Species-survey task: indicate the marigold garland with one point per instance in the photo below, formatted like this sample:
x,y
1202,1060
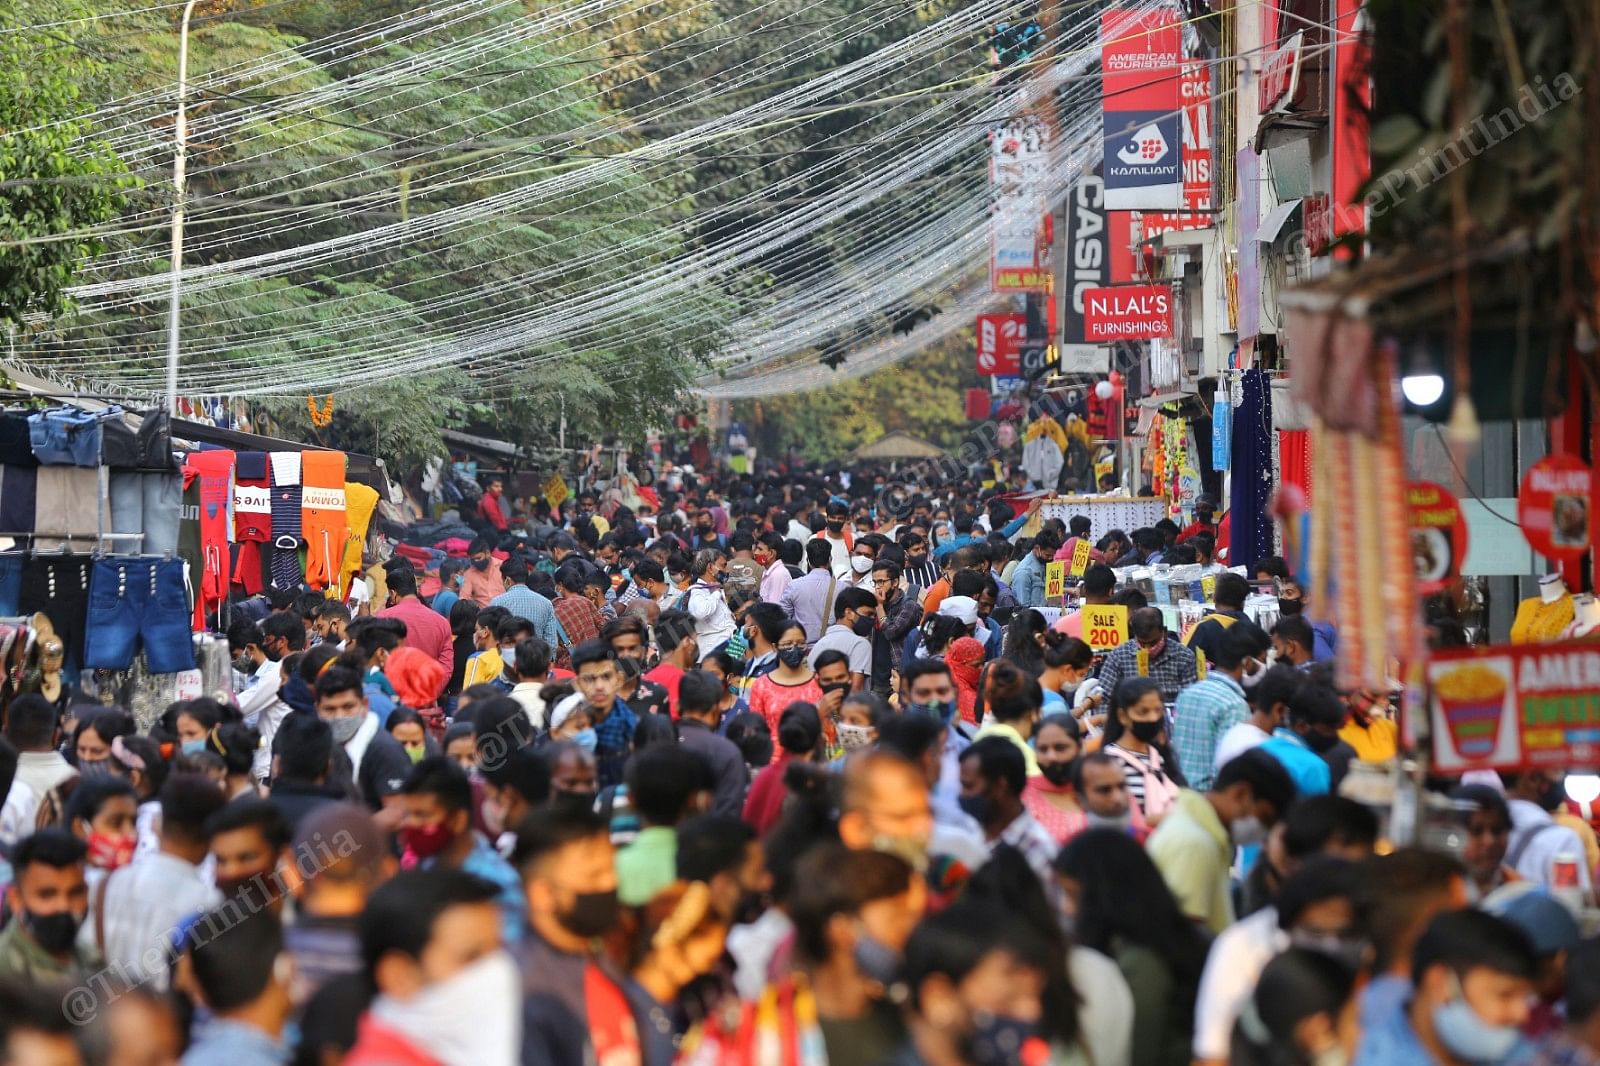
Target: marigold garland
x,y
320,418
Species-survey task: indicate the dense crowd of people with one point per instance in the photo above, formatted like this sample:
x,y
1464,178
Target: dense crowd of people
x,y
774,769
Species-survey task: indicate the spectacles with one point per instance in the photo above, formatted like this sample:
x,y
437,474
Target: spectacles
x,y
790,646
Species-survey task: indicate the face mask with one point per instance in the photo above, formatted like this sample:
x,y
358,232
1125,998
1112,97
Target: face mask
x,y
1468,1036
854,736
1147,731
843,686
876,960
1321,743
792,657
426,841
916,558
107,852
860,563
865,626
1247,831
472,1016
1352,952
835,526
1252,678
480,565
1120,822
593,914
345,728
585,739
244,664
979,808
1331,1056
914,850
1288,608
579,800
416,754
1058,773
194,747
94,769
1155,652
53,932
943,710
998,1041
230,887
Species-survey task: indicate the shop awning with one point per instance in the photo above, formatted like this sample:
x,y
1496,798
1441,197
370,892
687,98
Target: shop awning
x,y
897,445
1276,219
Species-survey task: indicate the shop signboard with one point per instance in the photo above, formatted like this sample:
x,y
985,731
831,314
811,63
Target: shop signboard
x,y
1141,56
1000,341
1019,164
1080,557
1089,253
1195,89
1554,505
1055,582
1127,312
1510,707
1438,535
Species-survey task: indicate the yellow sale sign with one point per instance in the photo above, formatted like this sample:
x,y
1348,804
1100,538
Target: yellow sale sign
x,y
1105,626
1055,581
1080,557
555,490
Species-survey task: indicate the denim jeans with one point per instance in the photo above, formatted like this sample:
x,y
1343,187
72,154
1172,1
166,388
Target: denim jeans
x,y
134,602
65,436
148,503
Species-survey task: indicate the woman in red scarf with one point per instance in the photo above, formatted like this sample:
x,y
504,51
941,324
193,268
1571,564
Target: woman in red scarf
x,y
965,658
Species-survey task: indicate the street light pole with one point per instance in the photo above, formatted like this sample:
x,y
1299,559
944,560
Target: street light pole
x,y
179,191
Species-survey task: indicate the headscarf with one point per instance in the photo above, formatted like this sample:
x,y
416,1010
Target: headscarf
x,y
965,657
417,677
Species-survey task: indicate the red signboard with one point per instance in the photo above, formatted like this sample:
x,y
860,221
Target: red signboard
x,y
1001,339
1554,504
1140,56
977,404
1195,88
1127,312
1438,535
1280,75
1511,707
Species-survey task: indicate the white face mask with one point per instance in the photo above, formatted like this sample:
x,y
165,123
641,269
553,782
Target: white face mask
x,y
1252,678
852,737
472,1018
860,563
1247,831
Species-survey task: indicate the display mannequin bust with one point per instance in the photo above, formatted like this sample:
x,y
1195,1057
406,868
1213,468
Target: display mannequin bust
x,y
1545,616
1585,616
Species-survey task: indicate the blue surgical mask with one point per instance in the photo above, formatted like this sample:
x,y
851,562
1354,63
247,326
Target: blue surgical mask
x,y
194,747
585,739
1468,1036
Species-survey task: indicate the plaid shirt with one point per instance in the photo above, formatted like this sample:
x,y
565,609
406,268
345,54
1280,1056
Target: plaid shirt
x,y
580,620
613,736
1173,669
1206,710
523,602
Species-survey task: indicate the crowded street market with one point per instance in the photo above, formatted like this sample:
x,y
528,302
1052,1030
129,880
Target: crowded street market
x,y
1131,602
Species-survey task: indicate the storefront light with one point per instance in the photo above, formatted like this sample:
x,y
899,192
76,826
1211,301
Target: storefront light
x,y
1422,390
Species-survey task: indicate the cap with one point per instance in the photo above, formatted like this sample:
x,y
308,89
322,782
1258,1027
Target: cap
x,y
963,607
1544,920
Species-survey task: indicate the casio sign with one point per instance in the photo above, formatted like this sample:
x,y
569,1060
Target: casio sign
x,y
1088,263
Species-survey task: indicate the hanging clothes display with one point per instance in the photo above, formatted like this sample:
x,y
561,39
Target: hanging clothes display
x,y
360,502
322,516
252,518
136,604
211,472
57,586
285,519
1251,525
1043,448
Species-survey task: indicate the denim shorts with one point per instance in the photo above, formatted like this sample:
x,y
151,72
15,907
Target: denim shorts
x,y
134,602
58,585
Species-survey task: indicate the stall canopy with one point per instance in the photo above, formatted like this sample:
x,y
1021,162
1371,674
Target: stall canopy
x,y
897,445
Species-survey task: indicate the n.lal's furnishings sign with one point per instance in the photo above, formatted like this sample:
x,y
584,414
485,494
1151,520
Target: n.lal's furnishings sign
x,y
1127,313
1141,63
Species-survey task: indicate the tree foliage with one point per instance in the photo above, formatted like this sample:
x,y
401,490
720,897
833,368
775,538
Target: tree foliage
x,y
51,182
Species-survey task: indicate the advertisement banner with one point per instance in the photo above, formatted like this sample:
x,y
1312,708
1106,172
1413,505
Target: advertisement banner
x,y
1438,535
1055,582
1001,338
1511,707
1088,255
1019,164
1141,62
1195,90
1553,506
1127,312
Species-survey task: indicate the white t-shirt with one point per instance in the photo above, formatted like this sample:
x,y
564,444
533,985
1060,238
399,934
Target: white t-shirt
x,y
1235,742
1105,1022
1233,967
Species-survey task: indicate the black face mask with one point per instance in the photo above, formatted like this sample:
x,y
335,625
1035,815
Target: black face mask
x,y
792,657
593,914
1057,773
1321,743
53,932
1288,608
842,686
1147,731
865,626
572,800
835,526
